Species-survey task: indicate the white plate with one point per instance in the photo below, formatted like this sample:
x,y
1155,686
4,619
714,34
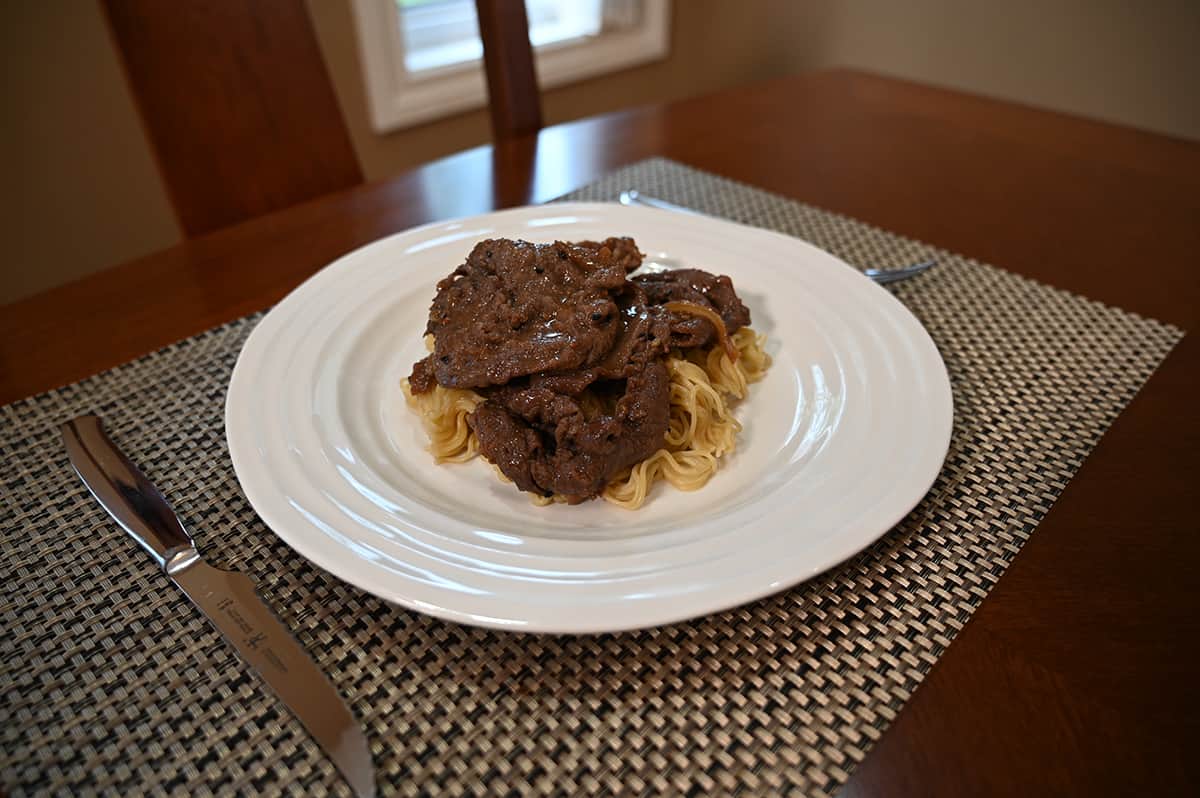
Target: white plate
x,y
842,438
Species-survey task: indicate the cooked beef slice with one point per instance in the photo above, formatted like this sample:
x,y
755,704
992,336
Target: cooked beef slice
x,y
700,288
544,443
511,444
624,250
516,308
422,380
644,335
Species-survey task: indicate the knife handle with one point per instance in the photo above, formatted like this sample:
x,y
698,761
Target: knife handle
x,y
128,496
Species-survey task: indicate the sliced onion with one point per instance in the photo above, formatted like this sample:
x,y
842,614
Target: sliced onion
x,y
713,318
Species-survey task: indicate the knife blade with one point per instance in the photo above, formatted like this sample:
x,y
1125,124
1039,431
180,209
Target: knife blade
x,y
227,598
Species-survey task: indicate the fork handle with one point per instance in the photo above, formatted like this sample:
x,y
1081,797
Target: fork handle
x,y
632,196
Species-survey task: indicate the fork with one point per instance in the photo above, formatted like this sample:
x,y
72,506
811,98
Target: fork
x,y
631,196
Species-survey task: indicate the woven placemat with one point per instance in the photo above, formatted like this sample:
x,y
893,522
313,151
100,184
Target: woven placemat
x,y
112,682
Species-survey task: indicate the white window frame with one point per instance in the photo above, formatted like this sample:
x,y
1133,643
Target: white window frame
x,y
397,100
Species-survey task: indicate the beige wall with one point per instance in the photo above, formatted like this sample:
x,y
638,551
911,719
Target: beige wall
x,y
82,188
1133,62
85,193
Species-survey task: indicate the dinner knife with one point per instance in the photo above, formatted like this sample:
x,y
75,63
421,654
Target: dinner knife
x,y
227,598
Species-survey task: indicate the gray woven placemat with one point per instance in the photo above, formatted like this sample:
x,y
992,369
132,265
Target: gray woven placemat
x,y
111,682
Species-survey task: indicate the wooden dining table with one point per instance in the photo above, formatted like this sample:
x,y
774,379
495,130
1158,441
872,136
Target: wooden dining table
x,y
1077,675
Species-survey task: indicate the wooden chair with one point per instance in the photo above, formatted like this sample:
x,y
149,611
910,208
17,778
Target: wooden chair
x,y
239,107
513,96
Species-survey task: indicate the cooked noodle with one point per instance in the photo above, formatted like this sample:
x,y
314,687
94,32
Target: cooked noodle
x,y
701,429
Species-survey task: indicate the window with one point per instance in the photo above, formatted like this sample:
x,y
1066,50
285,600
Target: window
x,y
422,59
